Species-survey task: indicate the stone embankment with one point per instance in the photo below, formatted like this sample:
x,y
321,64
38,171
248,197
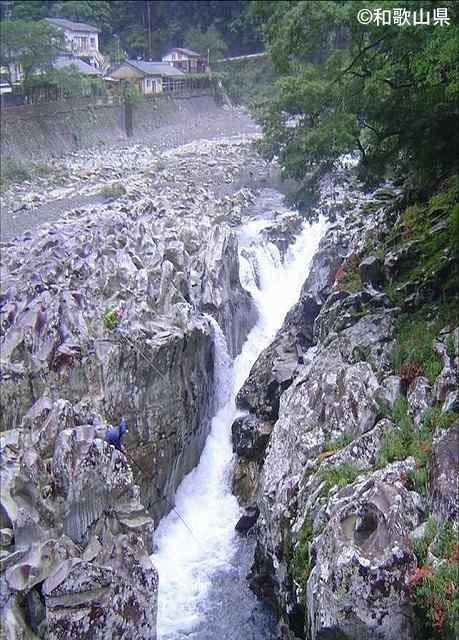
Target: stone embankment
x,y
50,130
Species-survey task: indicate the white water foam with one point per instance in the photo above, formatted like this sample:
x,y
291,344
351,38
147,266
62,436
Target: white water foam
x,y
187,563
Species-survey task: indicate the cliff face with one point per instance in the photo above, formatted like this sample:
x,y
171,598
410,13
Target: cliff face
x,y
108,314
351,408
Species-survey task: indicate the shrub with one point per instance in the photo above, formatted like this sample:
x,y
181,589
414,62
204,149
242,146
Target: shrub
x,y
112,190
414,354
14,171
404,441
434,590
434,418
302,562
111,319
348,277
422,545
339,476
336,445
132,94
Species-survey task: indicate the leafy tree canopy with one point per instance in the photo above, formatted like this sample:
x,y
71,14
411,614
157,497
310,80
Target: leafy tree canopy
x,y
209,40
386,91
148,27
34,45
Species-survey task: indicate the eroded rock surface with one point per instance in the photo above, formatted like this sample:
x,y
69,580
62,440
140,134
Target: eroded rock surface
x,y
339,507
110,313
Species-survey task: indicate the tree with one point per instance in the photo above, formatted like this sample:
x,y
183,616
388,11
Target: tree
x,y
68,82
385,91
34,45
206,41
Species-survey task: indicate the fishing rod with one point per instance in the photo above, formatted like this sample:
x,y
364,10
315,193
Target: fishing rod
x,y
129,457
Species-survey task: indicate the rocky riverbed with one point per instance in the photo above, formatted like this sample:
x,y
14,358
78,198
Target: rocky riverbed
x,y
107,313
92,176
112,283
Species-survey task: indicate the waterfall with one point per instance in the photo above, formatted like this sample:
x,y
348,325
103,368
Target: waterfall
x,y
191,565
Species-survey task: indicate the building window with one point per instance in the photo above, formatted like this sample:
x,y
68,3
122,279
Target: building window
x,y
93,42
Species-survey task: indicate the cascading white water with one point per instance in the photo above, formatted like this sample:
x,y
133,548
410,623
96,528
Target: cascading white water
x,y
188,564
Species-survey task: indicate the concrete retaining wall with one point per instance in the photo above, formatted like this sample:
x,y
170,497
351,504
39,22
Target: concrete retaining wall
x,y
41,131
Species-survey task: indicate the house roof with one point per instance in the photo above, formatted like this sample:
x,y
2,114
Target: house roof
x,y
186,52
72,26
155,68
63,62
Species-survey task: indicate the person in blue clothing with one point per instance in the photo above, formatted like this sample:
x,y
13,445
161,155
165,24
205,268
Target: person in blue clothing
x,y
114,435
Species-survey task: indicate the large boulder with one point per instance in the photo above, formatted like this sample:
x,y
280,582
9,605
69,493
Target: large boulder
x,y
250,437
443,475
363,559
101,601
371,271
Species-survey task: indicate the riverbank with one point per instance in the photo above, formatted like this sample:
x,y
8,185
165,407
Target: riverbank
x,y
81,179
106,314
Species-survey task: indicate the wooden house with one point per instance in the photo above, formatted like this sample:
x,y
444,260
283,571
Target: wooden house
x,y
150,77
186,60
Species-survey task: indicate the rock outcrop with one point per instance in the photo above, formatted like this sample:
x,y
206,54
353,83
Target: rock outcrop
x,y
111,313
342,495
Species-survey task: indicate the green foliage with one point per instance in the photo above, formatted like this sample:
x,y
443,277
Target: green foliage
x,y
447,542
131,93
434,590
422,545
110,319
384,91
403,441
249,82
302,562
208,41
69,81
348,275
112,190
339,476
34,45
450,346
148,28
337,444
17,171
415,338
397,441
434,418
428,232
436,604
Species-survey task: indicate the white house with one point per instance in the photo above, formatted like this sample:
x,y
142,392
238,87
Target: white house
x,y
150,77
82,40
186,60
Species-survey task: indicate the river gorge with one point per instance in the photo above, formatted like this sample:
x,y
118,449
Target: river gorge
x,y
250,350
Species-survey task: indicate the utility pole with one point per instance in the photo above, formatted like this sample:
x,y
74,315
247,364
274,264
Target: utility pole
x,y
148,28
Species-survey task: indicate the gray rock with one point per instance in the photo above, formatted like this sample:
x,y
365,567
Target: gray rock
x,y
419,398
363,561
247,520
250,437
443,475
89,600
6,537
389,391
371,271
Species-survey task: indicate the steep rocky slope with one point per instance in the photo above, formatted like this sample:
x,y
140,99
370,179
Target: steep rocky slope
x,y
108,314
350,445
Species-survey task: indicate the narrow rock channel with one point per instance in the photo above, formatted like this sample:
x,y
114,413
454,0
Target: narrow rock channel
x,y
201,560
